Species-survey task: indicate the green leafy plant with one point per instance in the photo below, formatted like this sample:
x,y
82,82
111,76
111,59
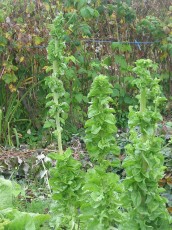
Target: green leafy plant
x,y
151,26
144,162
100,127
66,178
66,181
56,49
11,218
121,80
101,202
10,115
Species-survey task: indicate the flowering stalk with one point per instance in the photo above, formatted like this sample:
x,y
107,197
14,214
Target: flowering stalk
x,y
100,127
100,205
144,162
56,104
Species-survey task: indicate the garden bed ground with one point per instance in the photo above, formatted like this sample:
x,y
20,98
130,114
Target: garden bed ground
x,y
29,167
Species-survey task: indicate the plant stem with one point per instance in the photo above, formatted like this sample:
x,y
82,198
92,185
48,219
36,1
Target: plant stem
x,y
143,108
57,118
9,136
143,101
59,133
0,124
17,137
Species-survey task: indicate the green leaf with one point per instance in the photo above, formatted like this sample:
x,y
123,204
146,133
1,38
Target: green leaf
x,y
136,198
53,156
79,97
71,58
115,45
92,112
97,196
85,13
49,124
86,30
115,93
96,130
107,61
9,78
2,16
22,222
128,100
5,193
38,40
110,119
88,12
81,3
85,99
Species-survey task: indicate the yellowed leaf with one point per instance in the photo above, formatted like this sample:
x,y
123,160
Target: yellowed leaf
x,y
21,59
113,16
164,56
38,40
46,5
27,81
164,41
45,67
7,35
12,88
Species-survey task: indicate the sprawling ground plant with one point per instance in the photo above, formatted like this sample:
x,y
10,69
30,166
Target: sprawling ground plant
x,y
144,161
101,199
11,218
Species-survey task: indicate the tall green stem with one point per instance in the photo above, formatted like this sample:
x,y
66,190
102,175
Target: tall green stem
x,y
143,108
143,101
57,118
0,125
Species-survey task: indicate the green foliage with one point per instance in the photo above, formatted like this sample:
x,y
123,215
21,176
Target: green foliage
x,y
151,26
15,78
9,73
94,203
144,162
37,206
16,220
100,128
12,219
123,90
6,193
125,11
24,56
66,181
100,208
101,202
56,56
88,12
